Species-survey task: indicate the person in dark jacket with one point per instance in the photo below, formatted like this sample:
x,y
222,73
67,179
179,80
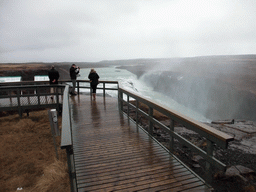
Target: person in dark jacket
x,y
94,81
53,75
73,71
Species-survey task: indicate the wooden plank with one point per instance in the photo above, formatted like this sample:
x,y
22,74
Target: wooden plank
x,y
136,183
111,154
121,156
124,174
124,165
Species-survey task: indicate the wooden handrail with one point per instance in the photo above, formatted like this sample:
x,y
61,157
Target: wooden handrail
x,y
208,132
47,82
212,135
27,97
66,136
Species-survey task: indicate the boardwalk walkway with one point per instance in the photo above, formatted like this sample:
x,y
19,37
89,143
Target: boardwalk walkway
x,y
111,154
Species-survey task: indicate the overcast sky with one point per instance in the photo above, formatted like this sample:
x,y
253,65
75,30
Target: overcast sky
x,y
95,30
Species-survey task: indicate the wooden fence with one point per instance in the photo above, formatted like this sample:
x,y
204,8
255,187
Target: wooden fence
x,y
212,136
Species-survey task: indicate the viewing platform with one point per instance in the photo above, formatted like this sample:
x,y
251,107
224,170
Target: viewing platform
x,y
107,149
112,154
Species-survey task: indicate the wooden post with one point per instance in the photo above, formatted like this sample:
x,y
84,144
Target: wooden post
x,y
78,90
71,169
54,127
150,127
128,106
208,165
57,99
38,96
171,137
137,113
19,104
120,100
104,89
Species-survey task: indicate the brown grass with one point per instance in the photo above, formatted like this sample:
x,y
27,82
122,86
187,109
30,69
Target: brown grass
x,y
27,155
21,67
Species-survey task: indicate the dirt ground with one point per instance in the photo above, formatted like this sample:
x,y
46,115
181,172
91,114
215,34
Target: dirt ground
x,y
27,155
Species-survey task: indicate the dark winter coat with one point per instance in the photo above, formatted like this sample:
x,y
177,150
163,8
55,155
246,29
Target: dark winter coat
x,y
94,78
53,74
73,72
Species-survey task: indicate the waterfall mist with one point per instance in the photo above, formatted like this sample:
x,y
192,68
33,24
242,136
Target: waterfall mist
x,y
218,88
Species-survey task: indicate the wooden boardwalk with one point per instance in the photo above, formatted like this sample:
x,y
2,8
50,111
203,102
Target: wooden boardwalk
x,y
111,154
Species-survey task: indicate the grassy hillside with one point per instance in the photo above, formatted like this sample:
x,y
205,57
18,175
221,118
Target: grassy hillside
x,y
27,155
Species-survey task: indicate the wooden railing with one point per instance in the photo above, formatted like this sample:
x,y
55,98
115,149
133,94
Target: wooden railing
x,y
85,84
24,83
212,135
27,97
66,138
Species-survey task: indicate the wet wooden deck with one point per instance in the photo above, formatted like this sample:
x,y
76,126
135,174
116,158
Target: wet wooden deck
x,y
111,154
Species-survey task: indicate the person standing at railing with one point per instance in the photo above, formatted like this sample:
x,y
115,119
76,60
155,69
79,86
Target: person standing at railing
x,y
53,75
73,71
94,81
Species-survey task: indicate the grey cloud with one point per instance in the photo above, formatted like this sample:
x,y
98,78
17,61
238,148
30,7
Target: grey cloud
x,y
98,30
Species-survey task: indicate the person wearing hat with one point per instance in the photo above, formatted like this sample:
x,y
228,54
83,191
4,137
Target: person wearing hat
x,y
94,81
